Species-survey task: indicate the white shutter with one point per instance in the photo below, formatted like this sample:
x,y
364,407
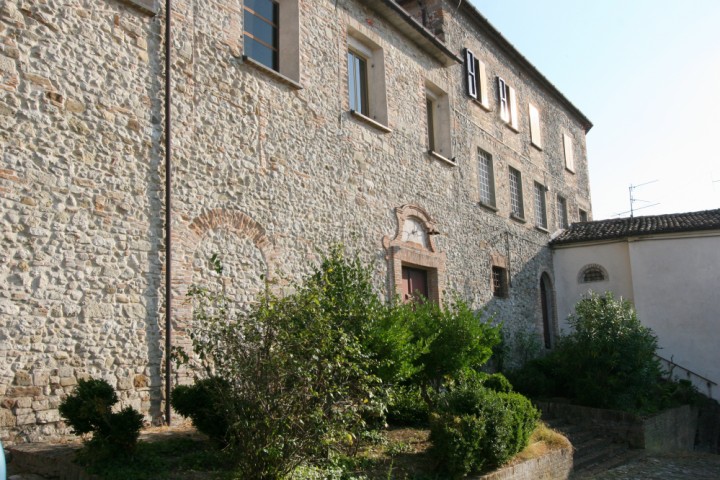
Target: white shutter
x,y
535,137
470,74
502,96
480,72
569,156
513,109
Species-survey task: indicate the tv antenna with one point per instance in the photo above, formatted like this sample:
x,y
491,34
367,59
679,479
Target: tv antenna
x,y
633,200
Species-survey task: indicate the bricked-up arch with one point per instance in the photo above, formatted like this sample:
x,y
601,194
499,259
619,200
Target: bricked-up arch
x,y
420,255
187,240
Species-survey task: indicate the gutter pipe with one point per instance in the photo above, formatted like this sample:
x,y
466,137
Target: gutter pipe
x,y
168,216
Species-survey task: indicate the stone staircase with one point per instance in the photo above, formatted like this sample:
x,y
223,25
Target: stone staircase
x,y
594,452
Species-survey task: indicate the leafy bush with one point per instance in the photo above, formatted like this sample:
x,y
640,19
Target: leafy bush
x,y
478,429
608,361
407,406
207,403
456,341
299,381
89,410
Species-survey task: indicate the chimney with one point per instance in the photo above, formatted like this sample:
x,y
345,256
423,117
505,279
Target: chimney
x,y
429,13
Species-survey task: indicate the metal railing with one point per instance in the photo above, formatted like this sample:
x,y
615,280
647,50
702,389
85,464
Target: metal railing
x,y
691,376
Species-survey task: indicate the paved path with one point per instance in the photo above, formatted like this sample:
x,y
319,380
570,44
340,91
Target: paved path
x,y
680,466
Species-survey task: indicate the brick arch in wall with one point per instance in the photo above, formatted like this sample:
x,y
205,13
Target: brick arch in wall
x,y
188,236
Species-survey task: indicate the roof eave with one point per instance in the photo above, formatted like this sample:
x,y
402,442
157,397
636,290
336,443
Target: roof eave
x,y
515,55
410,27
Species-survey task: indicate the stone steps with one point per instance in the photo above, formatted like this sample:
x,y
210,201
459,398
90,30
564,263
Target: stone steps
x,y
594,452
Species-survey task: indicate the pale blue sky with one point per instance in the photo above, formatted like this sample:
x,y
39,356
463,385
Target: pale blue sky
x,y
647,74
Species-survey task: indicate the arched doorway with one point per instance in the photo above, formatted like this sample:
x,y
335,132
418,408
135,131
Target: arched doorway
x,y
548,310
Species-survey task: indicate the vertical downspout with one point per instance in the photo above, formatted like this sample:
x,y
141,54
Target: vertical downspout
x,y
168,211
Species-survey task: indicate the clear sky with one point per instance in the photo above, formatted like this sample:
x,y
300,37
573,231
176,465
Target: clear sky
x,y
647,74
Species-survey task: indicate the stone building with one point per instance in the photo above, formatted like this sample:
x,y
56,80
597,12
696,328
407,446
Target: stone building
x,y
668,267
410,131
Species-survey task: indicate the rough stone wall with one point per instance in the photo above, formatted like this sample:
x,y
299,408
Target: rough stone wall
x,y
265,174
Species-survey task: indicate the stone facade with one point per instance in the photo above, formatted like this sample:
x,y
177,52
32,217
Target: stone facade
x,y
268,170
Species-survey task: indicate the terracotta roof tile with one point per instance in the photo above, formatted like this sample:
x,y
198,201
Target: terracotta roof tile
x,y
635,226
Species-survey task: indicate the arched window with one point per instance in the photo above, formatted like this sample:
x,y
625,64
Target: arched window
x,y
592,273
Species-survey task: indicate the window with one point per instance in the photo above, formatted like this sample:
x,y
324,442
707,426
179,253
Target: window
x,y
508,104
271,36
540,207
535,138
583,215
592,273
568,149
499,282
261,32
487,178
562,213
476,79
357,83
366,80
516,200
437,110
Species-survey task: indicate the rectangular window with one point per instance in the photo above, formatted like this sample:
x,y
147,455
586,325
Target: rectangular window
x,y
508,104
499,282
261,32
475,76
562,212
487,178
366,80
540,206
437,110
583,215
358,83
535,137
516,200
568,149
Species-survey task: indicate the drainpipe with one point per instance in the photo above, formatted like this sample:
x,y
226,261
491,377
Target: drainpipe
x,y
168,217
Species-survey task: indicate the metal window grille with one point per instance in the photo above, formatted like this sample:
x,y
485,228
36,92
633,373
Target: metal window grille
x,y
562,213
487,193
540,207
516,205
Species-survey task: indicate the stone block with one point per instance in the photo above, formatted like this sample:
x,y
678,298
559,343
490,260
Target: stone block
x,y
47,416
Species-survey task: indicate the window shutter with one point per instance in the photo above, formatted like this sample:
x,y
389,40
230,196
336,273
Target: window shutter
x,y
569,156
535,137
502,96
470,74
480,72
513,109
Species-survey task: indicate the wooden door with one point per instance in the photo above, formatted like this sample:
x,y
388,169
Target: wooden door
x,y
414,284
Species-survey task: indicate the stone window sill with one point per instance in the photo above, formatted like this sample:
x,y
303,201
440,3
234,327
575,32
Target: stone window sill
x,y
541,229
370,121
481,105
449,161
517,218
487,206
269,71
569,171
538,147
146,6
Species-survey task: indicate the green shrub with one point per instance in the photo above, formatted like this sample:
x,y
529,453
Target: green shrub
x,y
457,341
300,382
478,429
207,403
407,406
89,410
608,361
